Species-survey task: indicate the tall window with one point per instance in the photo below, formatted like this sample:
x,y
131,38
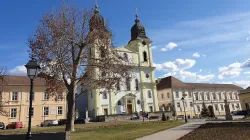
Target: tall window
x,y
145,58
203,96
225,96
13,112
32,111
104,95
216,107
59,110
149,94
125,56
189,94
119,102
214,96
91,94
236,96
191,104
14,96
208,96
162,96
198,108
231,96
222,107
46,96
196,96
168,94
136,85
128,83
220,96
118,86
233,107
177,94
45,111
178,104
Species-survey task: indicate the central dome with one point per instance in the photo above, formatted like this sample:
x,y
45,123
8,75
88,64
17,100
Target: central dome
x,y
138,31
96,21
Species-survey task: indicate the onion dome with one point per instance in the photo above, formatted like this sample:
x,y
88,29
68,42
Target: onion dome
x,y
138,30
97,21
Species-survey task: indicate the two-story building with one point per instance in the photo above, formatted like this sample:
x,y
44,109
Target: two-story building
x,y
15,102
191,96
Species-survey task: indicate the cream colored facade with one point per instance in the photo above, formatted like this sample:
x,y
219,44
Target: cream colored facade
x,y
165,99
15,100
244,96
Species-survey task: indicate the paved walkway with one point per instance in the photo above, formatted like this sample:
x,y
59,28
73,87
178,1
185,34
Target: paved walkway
x,y
173,133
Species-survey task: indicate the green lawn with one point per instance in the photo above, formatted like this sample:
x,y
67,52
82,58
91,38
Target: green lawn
x,y
106,131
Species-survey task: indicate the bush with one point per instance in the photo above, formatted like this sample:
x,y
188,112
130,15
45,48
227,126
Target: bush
x,y
163,118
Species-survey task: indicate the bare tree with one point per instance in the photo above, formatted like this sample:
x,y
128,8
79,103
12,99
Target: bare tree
x,y
3,84
75,45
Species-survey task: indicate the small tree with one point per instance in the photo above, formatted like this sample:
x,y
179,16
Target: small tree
x,y
204,111
163,118
3,83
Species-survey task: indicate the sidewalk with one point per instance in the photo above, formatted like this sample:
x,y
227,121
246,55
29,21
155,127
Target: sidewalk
x,y
173,133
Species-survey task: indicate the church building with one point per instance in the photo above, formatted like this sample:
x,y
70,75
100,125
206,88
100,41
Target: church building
x,y
139,93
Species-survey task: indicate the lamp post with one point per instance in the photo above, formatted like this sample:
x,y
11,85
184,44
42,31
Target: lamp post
x,y
32,70
184,108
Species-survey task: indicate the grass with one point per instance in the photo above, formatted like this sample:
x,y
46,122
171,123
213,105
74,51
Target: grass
x,y
221,131
106,131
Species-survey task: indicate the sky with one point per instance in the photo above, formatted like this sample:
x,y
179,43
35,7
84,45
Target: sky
x,y
194,40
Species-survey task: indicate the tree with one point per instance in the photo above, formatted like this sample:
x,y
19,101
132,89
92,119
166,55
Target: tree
x,y
3,83
75,45
204,111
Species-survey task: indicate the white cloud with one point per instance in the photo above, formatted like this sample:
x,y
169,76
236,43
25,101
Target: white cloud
x,y
18,71
169,46
247,72
179,49
154,47
241,83
246,64
177,65
204,55
200,70
231,71
196,55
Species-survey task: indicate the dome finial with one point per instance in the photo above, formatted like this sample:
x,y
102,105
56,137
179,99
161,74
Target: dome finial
x,y
136,16
96,7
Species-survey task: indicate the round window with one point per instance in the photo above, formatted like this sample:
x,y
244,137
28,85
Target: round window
x,y
144,43
138,102
147,75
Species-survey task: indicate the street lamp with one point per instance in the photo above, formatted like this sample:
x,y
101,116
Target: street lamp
x,y
184,108
32,70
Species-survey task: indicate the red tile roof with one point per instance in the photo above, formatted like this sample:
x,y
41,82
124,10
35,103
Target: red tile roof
x,y
23,80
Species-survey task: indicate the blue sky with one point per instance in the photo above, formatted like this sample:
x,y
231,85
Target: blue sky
x,y
196,41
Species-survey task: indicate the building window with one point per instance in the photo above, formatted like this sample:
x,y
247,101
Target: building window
x,y
238,106
151,108
203,96
183,94
220,96
231,96
91,94
225,96
59,110
189,94
46,96
149,94
14,96
208,96
118,86
145,58
144,43
128,83
222,107
233,107
138,102
216,107
191,104
236,96
32,111
136,85
125,56
162,95
102,53
196,96
178,104
198,108
119,102
60,96
104,95
45,111
177,94
168,94
13,112
214,96
147,75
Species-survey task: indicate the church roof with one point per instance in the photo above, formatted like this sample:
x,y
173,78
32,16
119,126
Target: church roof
x,y
97,20
172,82
138,31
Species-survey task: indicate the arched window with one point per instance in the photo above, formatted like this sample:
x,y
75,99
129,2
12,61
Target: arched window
x,y
145,58
147,75
214,96
136,85
119,102
149,94
168,94
231,96
128,83
104,95
196,96
138,102
162,96
236,96
208,96
220,96
125,56
225,96
144,43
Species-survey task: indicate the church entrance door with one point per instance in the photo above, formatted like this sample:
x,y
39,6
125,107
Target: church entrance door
x,y
129,108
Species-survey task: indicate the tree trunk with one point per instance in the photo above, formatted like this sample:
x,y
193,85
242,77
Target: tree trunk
x,y
71,109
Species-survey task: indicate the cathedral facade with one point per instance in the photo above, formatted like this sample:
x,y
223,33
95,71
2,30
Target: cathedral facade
x,y
139,93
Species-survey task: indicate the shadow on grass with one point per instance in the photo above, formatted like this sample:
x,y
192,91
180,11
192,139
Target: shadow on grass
x,y
40,136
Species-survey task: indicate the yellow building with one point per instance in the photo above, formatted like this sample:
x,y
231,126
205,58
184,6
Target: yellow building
x,y
15,102
244,96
